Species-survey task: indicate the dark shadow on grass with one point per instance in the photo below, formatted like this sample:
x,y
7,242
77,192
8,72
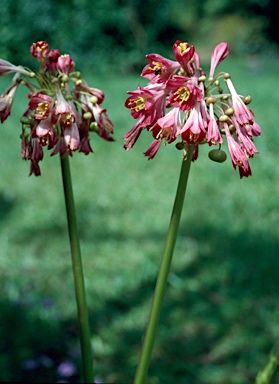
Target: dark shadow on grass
x,y
219,319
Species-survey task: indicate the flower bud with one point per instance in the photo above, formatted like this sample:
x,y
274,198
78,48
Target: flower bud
x,y
247,100
223,118
93,99
25,120
202,78
180,146
94,127
217,155
229,111
87,115
211,100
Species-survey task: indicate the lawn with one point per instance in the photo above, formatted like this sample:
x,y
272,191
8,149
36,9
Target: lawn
x,y
220,316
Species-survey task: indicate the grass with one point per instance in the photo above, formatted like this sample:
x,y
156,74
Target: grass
x,y
220,316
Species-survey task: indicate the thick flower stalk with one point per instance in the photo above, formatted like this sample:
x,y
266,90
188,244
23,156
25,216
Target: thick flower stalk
x,y
62,111
62,108
182,105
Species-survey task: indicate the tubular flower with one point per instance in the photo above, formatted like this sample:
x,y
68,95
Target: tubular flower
x,y
6,99
159,69
63,109
180,105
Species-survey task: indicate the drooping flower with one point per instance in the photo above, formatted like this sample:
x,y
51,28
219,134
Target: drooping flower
x,y
6,68
6,99
63,109
237,154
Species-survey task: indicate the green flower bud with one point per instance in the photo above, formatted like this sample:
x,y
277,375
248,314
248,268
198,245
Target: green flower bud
x,y
223,118
211,100
87,115
217,155
94,127
180,146
25,120
229,111
247,100
93,99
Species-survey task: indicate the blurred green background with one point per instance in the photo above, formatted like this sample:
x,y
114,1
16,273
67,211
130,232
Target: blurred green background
x,y
220,316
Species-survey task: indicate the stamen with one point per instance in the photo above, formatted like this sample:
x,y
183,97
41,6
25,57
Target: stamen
x,y
42,108
183,94
183,47
137,104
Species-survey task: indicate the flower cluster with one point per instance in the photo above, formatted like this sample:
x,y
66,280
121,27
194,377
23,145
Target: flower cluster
x,y
58,116
181,104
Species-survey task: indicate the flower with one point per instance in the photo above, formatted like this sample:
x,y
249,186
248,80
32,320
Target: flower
x,y
219,53
63,109
6,99
65,64
180,105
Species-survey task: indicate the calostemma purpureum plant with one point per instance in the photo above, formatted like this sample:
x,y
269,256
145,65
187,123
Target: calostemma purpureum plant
x,y
62,109
182,104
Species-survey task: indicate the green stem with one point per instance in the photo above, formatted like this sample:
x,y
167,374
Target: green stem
x,y
149,338
83,319
265,375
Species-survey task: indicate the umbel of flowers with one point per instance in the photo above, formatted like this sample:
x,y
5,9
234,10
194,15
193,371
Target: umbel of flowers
x,y
62,109
181,104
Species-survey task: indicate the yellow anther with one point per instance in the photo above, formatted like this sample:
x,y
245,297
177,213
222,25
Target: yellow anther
x,y
183,47
42,108
157,68
137,104
183,94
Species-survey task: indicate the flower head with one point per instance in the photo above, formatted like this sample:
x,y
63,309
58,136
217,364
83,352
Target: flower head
x,y
180,105
63,109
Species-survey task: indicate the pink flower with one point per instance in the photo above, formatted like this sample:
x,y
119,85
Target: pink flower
x,y
183,53
6,68
153,149
166,128
149,102
6,101
46,132
60,146
82,86
184,93
37,155
159,69
213,133
62,111
245,140
71,136
242,112
39,50
42,104
132,136
219,53
65,64
105,125
53,56
237,155
193,130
